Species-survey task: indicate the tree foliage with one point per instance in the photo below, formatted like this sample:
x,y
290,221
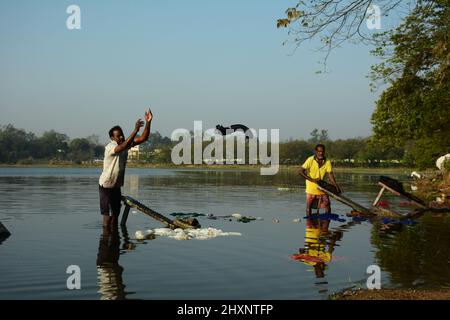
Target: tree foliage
x,y
414,110
19,146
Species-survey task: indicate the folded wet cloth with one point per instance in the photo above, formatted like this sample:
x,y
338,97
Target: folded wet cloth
x,y
235,216
187,215
398,221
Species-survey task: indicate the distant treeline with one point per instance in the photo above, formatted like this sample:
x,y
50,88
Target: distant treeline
x,y
20,147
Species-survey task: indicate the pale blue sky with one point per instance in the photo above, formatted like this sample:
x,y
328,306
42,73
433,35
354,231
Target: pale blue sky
x,y
215,61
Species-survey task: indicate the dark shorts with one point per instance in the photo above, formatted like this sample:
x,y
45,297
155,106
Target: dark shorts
x,y
110,200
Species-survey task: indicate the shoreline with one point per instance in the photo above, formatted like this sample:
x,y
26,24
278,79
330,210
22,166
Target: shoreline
x,y
244,167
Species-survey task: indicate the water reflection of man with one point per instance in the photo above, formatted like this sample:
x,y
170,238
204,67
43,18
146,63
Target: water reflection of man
x,y
319,244
109,271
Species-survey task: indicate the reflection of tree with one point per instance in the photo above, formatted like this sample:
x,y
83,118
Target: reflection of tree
x,y
418,253
109,271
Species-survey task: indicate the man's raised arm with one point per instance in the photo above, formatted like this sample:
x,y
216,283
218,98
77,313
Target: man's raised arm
x,y
146,133
127,143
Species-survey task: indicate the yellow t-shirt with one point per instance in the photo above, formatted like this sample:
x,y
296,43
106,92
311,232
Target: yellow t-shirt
x,y
313,171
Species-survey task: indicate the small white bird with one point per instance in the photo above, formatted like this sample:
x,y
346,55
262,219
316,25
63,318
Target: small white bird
x,y
415,174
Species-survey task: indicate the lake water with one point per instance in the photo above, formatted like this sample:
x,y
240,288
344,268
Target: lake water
x,y
53,215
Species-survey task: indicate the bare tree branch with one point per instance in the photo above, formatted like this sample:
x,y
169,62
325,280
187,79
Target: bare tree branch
x,y
334,21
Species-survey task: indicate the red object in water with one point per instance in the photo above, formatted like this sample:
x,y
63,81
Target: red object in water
x,y
383,204
305,257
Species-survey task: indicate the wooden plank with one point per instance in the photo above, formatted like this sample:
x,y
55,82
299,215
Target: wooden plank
x,y
128,201
173,224
418,202
126,211
377,199
346,201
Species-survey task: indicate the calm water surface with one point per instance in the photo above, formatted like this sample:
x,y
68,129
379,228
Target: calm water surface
x,y
53,215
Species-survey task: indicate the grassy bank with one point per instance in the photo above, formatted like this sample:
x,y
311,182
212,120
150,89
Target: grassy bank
x,y
287,168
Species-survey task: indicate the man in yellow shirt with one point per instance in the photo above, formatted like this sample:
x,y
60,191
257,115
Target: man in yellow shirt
x,y
314,170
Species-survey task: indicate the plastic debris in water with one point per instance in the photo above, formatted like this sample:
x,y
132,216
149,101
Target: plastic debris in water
x,y
297,220
244,219
188,234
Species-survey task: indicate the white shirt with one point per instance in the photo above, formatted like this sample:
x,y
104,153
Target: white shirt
x,y
113,167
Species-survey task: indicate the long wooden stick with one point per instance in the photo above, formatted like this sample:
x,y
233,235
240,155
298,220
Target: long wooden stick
x,y
173,224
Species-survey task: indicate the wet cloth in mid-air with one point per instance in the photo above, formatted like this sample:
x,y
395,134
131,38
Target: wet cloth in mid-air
x,y
235,128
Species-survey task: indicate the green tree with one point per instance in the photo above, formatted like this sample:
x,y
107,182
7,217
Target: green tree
x,y
52,145
415,109
342,149
319,136
295,152
81,149
156,141
16,144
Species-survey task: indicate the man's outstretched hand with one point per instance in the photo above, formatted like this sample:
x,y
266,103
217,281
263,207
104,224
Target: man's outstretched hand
x,y
148,115
138,124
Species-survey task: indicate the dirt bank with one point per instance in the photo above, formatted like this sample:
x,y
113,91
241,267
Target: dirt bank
x,y
393,294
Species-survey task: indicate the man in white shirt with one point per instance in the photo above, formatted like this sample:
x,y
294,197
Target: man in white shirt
x,y
114,163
